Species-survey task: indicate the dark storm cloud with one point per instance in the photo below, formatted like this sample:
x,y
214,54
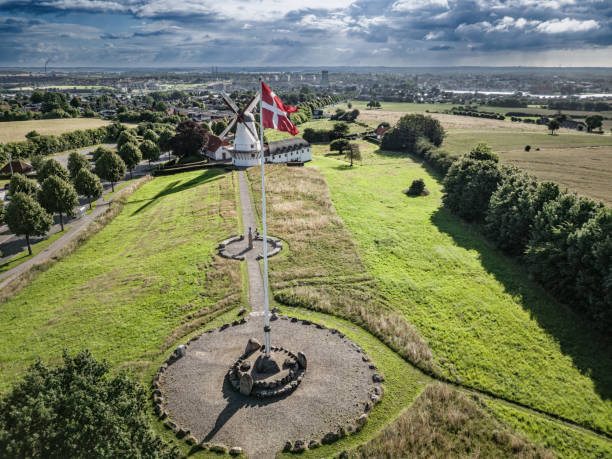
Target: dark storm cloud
x,y
336,31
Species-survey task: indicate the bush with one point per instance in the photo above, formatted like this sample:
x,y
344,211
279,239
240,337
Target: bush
x,y
468,186
417,187
77,410
527,148
409,129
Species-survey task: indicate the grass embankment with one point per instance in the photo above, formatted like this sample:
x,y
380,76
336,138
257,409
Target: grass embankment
x,y
446,423
141,283
36,249
13,131
321,270
489,327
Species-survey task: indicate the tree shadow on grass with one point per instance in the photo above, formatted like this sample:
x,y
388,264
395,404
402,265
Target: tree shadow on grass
x,y
590,350
177,186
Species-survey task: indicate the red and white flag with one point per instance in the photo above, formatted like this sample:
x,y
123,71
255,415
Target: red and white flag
x,y
275,114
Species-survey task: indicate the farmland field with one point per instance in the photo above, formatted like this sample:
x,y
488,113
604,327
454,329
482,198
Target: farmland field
x,y
488,326
125,293
580,161
13,131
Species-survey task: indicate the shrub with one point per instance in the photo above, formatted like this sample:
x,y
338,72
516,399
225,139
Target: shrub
x,y
417,187
339,145
468,186
527,148
77,410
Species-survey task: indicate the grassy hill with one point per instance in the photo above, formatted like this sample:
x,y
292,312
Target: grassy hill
x,y
127,292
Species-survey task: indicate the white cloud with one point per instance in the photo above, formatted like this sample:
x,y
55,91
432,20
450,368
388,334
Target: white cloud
x,y
433,35
415,5
567,25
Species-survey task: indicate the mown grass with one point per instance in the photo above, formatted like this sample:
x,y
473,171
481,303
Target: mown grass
x,y
13,131
446,423
146,279
322,270
36,249
564,441
489,327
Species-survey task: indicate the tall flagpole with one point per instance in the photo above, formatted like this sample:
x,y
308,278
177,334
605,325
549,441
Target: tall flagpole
x,y
263,219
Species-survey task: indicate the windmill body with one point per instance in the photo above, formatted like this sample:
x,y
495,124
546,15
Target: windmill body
x,y
246,151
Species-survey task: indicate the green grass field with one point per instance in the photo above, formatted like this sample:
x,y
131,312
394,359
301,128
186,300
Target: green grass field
x,y
489,327
36,249
14,131
126,292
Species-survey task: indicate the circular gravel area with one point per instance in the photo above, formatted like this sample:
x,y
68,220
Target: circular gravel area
x,y
336,390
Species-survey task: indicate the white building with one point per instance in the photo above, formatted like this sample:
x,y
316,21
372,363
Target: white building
x,y
294,149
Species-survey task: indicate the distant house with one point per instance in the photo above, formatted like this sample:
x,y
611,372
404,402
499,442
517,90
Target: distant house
x,y
295,149
217,148
317,114
381,130
18,167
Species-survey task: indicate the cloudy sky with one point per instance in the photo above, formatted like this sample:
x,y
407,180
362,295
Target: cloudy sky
x,y
311,32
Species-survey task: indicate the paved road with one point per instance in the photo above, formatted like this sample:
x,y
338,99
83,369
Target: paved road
x,y
10,245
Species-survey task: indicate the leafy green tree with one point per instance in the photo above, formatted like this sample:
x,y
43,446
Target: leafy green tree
x,y
76,162
57,195
340,130
409,129
98,152
150,134
548,254
131,155
110,167
26,216
2,213
150,151
483,152
553,125
189,140
78,410
21,184
468,186
88,184
37,97
353,153
52,167
127,136
593,122
75,102
32,135
164,139
339,145
218,127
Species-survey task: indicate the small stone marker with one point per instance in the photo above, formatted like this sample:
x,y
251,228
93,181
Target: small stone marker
x,y
181,350
252,346
246,384
301,358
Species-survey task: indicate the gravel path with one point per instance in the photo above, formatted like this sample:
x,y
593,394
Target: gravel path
x,y
256,288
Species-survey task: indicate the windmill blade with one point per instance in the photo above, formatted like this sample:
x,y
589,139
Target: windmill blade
x,y
251,105
246,125
230,103
227,129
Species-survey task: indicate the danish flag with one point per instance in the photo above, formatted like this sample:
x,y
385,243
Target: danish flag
x,y
275,114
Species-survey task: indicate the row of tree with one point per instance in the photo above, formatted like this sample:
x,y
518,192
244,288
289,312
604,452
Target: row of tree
x,y
338,131
43,145
565,240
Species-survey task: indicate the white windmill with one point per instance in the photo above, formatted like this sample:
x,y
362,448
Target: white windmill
x,y
246,151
